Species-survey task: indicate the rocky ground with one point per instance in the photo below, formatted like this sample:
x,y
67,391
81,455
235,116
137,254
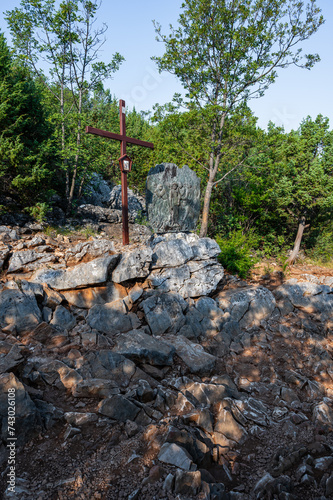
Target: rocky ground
x,y
151,374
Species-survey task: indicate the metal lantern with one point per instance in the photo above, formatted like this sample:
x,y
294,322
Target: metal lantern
x,y
125,163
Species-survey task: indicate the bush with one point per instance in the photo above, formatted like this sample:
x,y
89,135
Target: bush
x,y
323,248
236,252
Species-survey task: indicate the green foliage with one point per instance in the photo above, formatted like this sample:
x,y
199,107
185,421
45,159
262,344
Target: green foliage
x,y
237,253
322,251
39,211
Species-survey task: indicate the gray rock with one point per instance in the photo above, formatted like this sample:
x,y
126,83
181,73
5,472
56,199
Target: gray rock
x,y
106,365
172,198
205,248
56,373
27,420
95,388
90,250
97,191
226,424
86,298
164,312
132,265
193,279
19,310
139,346
204,394
194,356
171,253
111,318
91,273
309,297
4,252
329,486
99,214
62,318
77,419
171,453
135,205
118,408
187,483
12,359
19,259
323,414
249,306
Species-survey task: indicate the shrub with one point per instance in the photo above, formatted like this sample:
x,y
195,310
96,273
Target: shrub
x,y
236,252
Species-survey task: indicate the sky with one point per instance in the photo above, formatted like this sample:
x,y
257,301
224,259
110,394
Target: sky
x,y
296,94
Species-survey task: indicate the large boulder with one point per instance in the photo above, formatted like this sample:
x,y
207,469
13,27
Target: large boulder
x,y
135,205
19,310
90,273
89,250
86,298
97,192
143,348
248,306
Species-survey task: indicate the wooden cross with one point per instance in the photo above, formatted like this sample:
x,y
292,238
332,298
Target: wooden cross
x,y
123,140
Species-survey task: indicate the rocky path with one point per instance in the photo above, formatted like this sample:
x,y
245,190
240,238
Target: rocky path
x,y
149,374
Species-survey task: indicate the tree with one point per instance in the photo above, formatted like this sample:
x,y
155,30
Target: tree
x,y
227,51
66,40
25,163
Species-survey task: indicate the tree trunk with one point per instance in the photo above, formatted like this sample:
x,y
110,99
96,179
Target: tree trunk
x,y
205,210
297,244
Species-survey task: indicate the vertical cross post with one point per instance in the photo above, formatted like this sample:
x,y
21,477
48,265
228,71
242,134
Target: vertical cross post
x,y
124,190
123,139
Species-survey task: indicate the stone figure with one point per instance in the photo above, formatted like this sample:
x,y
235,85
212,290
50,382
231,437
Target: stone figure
x,y
172,198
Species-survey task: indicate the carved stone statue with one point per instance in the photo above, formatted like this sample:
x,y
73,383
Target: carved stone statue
x,y
173,198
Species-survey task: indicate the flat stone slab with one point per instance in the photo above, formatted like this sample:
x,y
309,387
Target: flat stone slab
x,y
171,453
90,273
139,346
193,355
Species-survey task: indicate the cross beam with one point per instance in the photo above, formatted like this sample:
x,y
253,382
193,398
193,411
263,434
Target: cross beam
x,y
123,139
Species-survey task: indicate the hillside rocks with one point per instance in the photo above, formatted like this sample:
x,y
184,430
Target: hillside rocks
x,y
192,387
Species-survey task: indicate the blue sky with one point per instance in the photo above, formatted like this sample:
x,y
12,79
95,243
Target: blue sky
x,y
296,93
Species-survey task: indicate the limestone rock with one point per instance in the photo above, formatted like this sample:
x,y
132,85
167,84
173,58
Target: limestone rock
x,y
19,310
172,198
99,214
132,265
27,419
173,454
106,365
111,318
308,297
135,205
139,346
249,305
171,253
89,250
226,424
63,319
187,483
86,298
19,259
194,356
118,408
95,388
193,279
91,273
164,312
12,359
97,191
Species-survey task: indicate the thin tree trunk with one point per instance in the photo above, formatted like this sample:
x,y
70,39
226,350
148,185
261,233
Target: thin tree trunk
x,y
205,210
297,244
